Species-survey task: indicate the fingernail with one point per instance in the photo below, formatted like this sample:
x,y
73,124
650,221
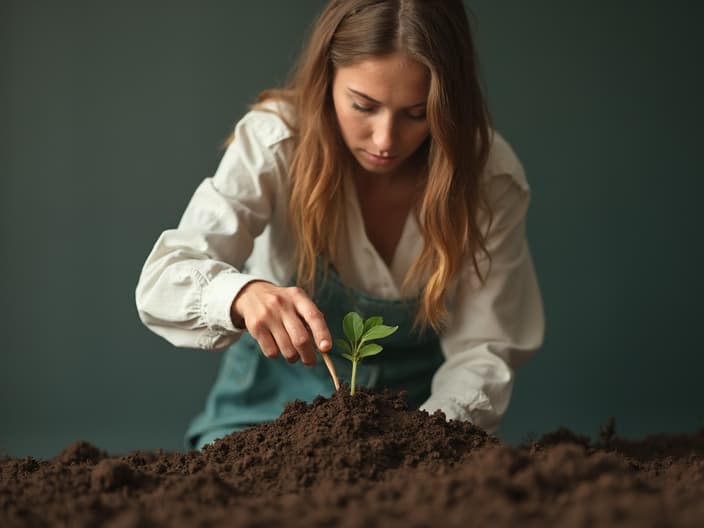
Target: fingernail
x,y
324,343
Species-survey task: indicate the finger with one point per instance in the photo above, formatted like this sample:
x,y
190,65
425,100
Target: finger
x,y
315,320
284,343
300,339
266,343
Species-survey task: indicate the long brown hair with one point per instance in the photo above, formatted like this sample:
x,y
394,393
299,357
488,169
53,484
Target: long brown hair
x,y
436,34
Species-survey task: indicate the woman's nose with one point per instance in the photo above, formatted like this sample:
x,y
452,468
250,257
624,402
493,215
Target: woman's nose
x,y
383,135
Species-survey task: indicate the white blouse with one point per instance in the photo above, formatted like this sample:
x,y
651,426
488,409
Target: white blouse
x,y
235,230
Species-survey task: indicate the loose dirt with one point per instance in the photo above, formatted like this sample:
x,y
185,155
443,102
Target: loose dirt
x,y
366,461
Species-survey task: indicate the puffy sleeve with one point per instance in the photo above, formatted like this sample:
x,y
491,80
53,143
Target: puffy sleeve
x,y
193,273
494,328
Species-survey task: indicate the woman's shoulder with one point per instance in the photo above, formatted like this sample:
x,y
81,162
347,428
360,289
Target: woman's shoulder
x,y
271,121
504,161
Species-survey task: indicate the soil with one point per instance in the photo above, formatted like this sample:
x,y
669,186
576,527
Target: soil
x,y
366,461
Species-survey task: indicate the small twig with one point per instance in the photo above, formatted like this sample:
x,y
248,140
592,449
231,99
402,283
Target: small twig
x,y
607,431
331,368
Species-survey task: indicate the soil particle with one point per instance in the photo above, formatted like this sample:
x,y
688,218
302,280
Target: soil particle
x,y
366,461
110,475
79,452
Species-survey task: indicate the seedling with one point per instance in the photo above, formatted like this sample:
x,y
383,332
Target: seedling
x,y
359,333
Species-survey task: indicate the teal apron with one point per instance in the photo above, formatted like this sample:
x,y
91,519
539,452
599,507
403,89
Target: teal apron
x,y
251,388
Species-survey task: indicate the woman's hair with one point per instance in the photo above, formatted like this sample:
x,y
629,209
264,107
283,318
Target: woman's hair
x,y
436,34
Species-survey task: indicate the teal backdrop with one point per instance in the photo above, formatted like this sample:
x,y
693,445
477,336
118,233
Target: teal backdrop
x,y
111,113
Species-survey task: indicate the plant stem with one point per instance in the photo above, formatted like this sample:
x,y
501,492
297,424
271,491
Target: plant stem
x,y
354,377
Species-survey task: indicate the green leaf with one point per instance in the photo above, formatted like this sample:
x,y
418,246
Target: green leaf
x,y
379,331
344,345
358,326
348,356
372,321
353,327
371,349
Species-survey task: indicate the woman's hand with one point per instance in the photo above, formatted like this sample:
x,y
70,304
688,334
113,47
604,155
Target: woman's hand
x,y
281,319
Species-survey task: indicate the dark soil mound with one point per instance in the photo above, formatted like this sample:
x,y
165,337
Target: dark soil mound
x,y
365,461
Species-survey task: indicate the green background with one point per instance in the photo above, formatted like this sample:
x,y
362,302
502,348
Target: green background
x,y
111,113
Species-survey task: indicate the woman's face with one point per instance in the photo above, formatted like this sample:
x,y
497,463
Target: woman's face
x,y
380,105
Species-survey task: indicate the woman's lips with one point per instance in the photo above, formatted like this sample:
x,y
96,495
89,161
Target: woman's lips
x,y
379,160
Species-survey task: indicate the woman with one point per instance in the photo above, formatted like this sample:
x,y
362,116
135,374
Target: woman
x,y
373,183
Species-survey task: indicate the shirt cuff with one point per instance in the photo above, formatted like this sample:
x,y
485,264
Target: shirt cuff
x,y
477,409
217,299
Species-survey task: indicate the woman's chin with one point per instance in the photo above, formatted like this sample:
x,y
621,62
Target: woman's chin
x,y
378,168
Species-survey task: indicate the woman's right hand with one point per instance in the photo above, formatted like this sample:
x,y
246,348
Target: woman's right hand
x,y
281,319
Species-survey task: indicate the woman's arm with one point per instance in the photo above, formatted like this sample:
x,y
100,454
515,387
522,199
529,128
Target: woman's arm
x,y
188,282
494,328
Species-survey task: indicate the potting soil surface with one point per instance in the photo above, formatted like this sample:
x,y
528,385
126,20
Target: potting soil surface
x,y
366,461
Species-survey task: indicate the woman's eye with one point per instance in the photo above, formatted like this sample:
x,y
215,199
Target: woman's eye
x,y
417,117
364,109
